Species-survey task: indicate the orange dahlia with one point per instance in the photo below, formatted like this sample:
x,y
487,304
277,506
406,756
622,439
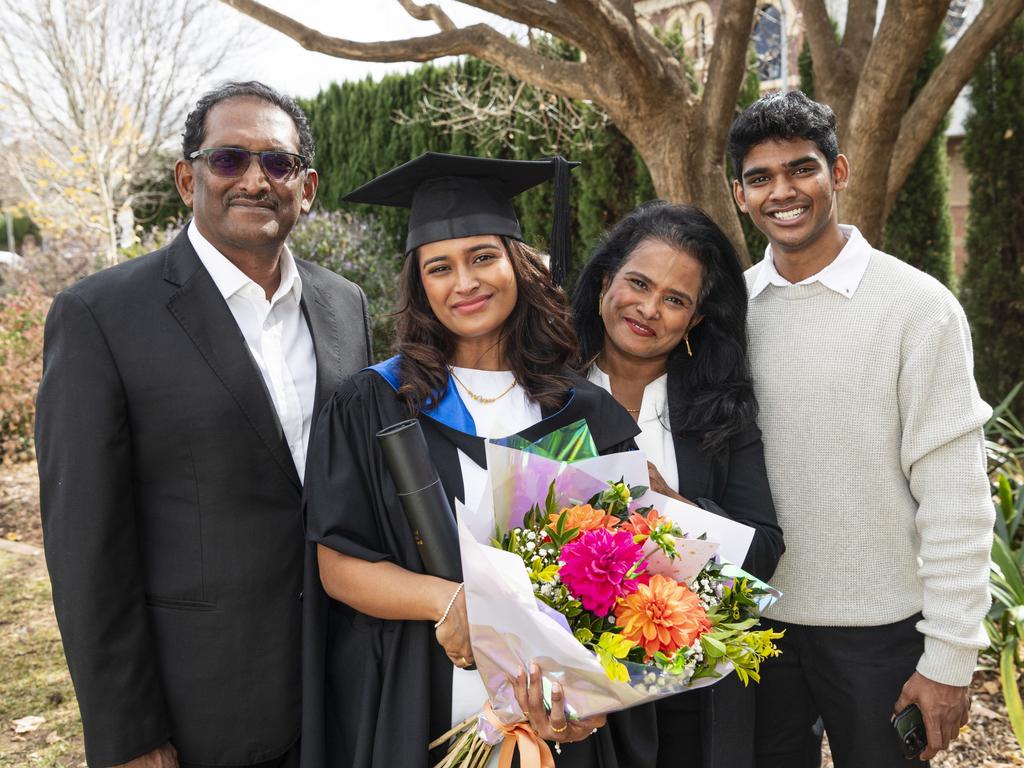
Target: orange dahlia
x,y
641,525
584,517
662,615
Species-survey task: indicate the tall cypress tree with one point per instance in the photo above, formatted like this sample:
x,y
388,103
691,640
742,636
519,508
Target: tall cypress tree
x,y
919,230
993,282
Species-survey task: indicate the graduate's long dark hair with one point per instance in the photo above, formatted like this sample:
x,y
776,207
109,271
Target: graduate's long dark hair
x,y
711,394
537,337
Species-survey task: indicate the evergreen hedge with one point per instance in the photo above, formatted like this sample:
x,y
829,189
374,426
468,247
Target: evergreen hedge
x,y
992,288
919,230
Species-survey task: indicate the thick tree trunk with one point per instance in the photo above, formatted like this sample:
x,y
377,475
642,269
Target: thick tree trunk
x,y
883,94
685,168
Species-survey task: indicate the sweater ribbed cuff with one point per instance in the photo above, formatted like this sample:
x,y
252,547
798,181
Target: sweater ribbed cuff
x,y
946,663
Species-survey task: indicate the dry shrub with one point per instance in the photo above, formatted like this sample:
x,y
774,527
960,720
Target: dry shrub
x,y
22,313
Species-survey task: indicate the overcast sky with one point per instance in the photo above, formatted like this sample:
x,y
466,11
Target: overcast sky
x,y
285,65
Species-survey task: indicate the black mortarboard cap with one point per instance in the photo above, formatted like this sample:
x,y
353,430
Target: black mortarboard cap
x,y
451,196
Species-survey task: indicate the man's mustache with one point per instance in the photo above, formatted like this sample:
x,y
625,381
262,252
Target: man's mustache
x,y
268,200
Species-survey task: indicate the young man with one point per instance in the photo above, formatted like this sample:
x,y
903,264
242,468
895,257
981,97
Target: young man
x,y
873,439
178,394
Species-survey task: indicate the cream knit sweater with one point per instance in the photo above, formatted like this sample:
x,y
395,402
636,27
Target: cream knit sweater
x,y
873,439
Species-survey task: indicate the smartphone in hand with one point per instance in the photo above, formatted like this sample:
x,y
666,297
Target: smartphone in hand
x,y
910,729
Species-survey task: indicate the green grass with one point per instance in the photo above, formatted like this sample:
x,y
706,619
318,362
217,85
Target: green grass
x,y
34,678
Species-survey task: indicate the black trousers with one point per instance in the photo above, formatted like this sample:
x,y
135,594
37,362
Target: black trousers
x,y
289,759
848,676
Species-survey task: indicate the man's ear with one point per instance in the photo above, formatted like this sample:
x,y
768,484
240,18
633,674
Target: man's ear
x,y
309,186
840,173
737,193
185,181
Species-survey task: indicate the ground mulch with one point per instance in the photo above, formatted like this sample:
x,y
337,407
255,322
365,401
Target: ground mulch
x,y
34,680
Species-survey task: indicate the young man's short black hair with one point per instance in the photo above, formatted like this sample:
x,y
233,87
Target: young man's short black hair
x,y
783,117
195,123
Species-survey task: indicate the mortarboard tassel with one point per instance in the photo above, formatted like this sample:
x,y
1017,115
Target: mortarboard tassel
x,y
561,225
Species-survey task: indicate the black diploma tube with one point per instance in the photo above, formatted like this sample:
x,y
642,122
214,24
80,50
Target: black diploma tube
x,y
423,498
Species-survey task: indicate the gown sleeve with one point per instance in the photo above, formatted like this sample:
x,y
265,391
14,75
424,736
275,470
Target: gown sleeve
x,y
344,484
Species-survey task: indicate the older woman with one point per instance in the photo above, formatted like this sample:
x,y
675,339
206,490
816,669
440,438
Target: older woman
x,y
661,320
483,341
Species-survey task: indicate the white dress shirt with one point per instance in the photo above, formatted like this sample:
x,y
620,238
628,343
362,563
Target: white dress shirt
x,y
842,275
655,438
276,334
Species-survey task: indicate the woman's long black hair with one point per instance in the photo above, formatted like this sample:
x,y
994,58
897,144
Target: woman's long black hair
x,y
710,394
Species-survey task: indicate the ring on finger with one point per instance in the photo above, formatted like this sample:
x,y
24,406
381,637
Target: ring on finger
x,y
565,725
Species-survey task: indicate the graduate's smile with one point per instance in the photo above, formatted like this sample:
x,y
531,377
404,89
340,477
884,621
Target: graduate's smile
x,y
470,286
469,306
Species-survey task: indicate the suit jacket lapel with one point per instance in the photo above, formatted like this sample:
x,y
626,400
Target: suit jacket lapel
x,y
204,315
323,326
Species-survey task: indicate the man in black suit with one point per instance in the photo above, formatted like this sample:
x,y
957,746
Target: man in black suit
x,y
177,398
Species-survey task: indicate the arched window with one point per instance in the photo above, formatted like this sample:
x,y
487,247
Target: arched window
x,y
700,32
768,42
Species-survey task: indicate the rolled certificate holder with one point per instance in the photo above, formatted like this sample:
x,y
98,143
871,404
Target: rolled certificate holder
x,y
423,498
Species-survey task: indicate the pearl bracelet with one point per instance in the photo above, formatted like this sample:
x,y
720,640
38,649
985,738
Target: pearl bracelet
x,y
447,610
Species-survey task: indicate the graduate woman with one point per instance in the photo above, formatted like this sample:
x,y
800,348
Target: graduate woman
x,y
660,313
483,338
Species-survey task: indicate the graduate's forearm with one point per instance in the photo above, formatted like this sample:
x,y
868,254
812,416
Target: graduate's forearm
x,y
383,589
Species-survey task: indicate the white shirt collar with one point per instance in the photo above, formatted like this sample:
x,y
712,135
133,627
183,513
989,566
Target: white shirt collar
x,y
842,275
229,279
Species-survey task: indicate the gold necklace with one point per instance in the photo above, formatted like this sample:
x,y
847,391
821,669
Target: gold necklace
x,y
481,398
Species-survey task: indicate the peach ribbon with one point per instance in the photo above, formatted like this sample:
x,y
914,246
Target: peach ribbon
x,y
534,752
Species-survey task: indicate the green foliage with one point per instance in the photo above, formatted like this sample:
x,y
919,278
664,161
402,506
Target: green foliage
x,y
919,230
20,227
22,314
365,128
1005,621
358,248
805,66
992,288
750,92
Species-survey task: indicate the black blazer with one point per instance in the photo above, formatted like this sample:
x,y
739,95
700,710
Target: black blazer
x,y
171,508
732,481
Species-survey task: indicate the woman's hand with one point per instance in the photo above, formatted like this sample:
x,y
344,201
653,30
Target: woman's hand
x,y
453,634
554,725
658,485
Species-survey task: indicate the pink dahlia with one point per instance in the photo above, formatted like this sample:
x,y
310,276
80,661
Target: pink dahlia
x,y
595,567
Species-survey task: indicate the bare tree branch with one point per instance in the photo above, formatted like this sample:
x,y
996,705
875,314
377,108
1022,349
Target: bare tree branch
x,y
822,40
564,78
861,16
727,68
429,12
540,14
920,122
95,91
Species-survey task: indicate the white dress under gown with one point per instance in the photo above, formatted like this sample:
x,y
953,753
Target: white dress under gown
x,y
510,414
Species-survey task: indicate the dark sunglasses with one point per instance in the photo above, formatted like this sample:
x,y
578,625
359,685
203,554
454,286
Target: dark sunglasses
x,y
232,162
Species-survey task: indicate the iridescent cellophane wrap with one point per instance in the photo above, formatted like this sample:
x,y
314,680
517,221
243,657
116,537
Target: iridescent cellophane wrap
x,y
510,628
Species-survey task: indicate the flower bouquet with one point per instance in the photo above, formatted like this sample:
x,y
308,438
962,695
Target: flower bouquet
x,y
620,594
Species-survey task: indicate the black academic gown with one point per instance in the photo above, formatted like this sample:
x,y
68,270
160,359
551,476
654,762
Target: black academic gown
x,y
731,481
377,692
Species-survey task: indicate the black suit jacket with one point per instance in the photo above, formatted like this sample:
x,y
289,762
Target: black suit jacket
x,y
171,508
731,481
